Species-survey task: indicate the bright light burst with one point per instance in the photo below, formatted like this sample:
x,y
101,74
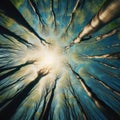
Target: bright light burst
x,y
50,58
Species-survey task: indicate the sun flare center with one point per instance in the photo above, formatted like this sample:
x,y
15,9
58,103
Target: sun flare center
x,y
49,58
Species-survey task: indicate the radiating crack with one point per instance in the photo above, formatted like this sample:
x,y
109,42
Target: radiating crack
x,y
53,13
59,60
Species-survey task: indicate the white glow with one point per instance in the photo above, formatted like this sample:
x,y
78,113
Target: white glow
x,y
48,59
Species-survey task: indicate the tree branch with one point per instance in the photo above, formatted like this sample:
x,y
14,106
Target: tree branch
x,y
108,12
108,34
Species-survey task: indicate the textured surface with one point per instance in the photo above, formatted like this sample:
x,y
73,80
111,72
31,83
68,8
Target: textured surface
x,y
42,80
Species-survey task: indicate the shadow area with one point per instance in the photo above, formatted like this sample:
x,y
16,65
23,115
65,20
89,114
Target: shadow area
x,y
7,112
